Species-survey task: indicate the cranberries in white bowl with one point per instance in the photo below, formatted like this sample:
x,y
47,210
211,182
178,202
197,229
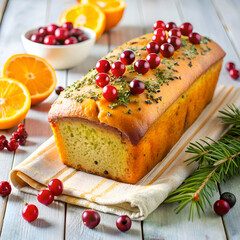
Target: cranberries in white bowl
x,y
62,46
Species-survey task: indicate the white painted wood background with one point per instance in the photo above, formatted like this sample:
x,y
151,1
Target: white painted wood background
x,y
218,19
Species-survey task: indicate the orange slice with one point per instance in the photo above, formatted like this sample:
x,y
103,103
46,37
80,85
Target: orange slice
x,y
15,101
113,10
34,72
86,15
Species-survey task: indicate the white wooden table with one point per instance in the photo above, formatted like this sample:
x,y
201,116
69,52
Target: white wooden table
x,y
218,19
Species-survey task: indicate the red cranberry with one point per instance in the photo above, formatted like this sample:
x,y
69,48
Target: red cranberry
x,y
137,86
1,145
12,145
82,38
59,89
124,223
170,26
37,38
56,187
153,59
127,57
194,38
102,79
22,132
50,40
90,218
110,93
71,40
118,69
51,29
5,143
141,66
42,31
75,32
15,136
159,39
61,33
234,73
167,50
160,31
5,188
21,125
186,28
153,47
45,197
22,141
175,41
230,65
30,213
67,25
174,32
103,66
159,24
221,207
2,137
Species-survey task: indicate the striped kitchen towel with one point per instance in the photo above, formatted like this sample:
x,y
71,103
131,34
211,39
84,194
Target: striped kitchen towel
x,y
106,195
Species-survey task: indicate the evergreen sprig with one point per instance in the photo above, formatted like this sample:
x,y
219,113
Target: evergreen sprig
x,y
217,162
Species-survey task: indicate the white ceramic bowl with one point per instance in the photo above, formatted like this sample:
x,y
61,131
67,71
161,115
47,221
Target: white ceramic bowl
x,y
60,56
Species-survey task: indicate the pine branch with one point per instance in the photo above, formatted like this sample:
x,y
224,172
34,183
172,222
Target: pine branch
x,y
218,161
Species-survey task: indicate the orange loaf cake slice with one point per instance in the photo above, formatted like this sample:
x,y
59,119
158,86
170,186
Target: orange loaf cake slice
x,y
123,140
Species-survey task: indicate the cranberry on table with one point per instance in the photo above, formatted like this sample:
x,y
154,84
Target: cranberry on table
x,y
38,38
159,39
153,59
5,188
221,207
22,141
234,73
194,38
22,133
71,40
160,31
56,187
141,66
159,24
110,93
75,32
12,145
102,79
170,26
175,41
42,31
153,47
1,145
137,86
186,28
45,197
21,125
59,89
175,32
90,218
15,136
61,33
167,50
118,69
230,65
127,57
30,212
123,223
50,40
51,29
103,66
67,25
2,137
5,143
229,197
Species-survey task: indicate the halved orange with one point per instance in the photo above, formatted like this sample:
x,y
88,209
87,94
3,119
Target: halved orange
x,y
113,10
15,101
86,15
34,72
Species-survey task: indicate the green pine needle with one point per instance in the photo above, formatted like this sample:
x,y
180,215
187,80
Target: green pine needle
x,y
218,161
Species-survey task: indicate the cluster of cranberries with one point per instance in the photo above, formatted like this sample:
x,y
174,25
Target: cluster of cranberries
x,y
46,197
222,206
91,219
233,72
17,138
59,35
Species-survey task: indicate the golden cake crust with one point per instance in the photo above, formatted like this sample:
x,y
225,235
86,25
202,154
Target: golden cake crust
x,y
135,118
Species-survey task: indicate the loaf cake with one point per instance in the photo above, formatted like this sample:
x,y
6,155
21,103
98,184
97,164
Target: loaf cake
x,y
124,139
